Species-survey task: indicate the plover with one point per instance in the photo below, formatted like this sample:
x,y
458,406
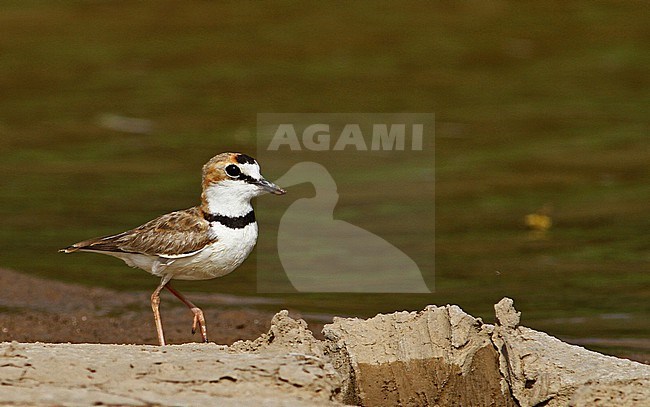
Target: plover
x,y
203,242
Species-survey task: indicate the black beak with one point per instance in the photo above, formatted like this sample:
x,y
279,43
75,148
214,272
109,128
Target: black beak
x,y
270,187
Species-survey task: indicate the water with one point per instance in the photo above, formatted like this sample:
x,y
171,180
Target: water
x,y
551,115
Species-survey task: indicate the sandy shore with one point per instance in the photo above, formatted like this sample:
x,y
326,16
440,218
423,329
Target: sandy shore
x,y
40,310
437,356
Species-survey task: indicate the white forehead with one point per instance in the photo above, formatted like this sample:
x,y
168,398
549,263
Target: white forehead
x,y
252,170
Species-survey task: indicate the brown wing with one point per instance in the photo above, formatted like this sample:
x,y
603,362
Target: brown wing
x,y
175,233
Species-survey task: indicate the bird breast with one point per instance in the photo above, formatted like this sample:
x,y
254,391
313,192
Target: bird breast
x,y
231,248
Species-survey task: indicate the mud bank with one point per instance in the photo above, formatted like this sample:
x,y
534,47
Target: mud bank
x,y
438,356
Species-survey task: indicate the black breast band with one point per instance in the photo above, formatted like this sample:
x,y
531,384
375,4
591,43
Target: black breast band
x,y
232,222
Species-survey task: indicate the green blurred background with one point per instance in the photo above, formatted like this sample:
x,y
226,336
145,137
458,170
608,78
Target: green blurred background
x,y
539,106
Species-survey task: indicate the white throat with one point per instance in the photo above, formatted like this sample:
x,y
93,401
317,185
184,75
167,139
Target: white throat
x,y
229,198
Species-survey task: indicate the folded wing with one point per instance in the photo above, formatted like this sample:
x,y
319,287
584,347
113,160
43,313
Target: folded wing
x,y
172,235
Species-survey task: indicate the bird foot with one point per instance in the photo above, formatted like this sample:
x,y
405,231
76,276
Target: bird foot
x,y
199,322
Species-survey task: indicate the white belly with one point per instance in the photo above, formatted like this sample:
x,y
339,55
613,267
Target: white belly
x,y
218,259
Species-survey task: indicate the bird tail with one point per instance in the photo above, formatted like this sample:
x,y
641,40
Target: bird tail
x,y
70,249
104,243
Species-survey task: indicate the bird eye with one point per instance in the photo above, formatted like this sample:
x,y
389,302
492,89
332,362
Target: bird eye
x,y
233,171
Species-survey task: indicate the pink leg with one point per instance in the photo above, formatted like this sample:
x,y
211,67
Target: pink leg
x,y
155,306
199,320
